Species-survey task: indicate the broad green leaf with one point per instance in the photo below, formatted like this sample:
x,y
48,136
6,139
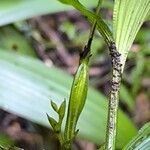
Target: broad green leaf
x,y
13,10
136,74
13,40
128,17
148,18
127,98
27,86
141,141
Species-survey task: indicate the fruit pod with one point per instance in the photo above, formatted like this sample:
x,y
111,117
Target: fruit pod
x,y
77,98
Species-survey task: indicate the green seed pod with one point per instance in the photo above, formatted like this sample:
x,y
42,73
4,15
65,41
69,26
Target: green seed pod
x,y
77,98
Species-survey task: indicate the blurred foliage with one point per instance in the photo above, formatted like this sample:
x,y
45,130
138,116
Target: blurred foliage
x,y
13,40
5,140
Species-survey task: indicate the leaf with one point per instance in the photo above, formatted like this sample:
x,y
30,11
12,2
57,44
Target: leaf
x,y
13,40
128,17
27,85
15,10
127,98
54,106
141,141
62,109
53,123
148,18
136,74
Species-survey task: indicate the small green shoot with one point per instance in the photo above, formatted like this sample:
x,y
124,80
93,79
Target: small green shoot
x,y
57,125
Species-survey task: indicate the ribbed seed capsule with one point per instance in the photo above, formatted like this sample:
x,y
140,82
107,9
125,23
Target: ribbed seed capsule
x,y
77,98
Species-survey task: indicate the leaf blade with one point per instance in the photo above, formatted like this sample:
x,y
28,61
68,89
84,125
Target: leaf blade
x,y
15,10
127,20
141,140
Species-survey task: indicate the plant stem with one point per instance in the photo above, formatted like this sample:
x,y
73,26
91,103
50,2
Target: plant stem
x,y
101,25
60,138
114,98
70,128
87,48
94,25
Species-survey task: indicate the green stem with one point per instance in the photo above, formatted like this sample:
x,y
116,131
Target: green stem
x,y
80,83
94,25
60,138
114,98
101,25
87,48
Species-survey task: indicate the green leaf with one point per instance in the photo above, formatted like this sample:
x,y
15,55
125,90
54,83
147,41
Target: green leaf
x,y
13,40
11,11
53,123
62,109
127,98
148,18
136,74
27,85
141,141
128,17
54,106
